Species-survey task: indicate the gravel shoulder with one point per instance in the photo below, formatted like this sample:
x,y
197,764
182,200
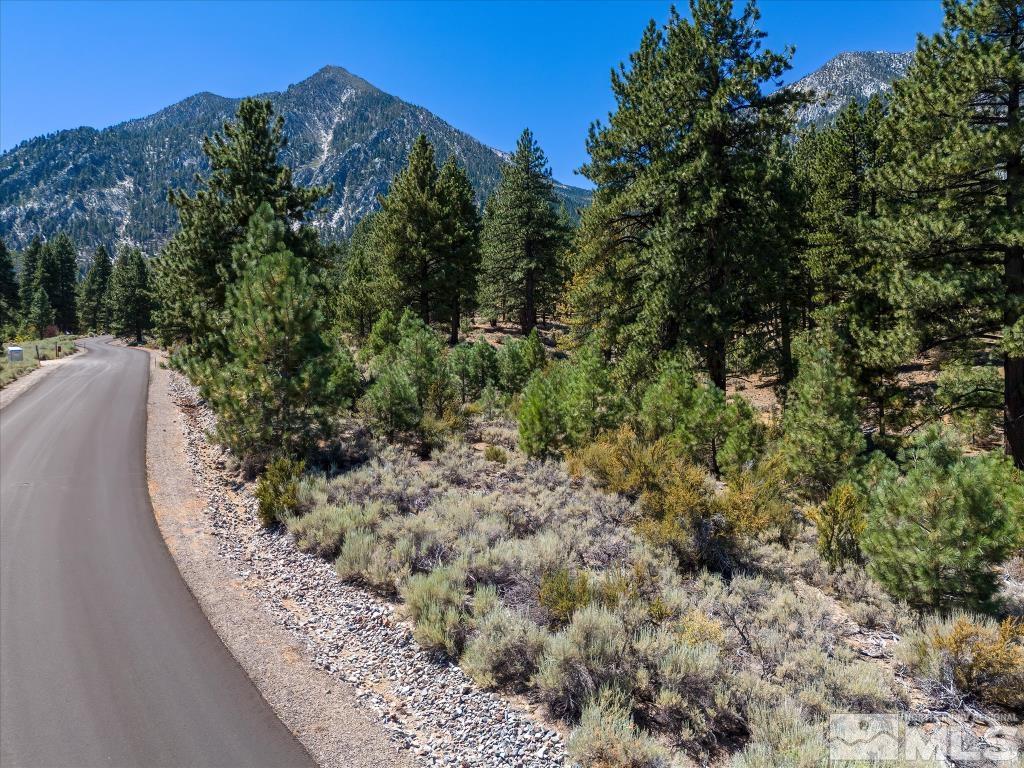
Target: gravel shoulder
x,y
338,664
323,712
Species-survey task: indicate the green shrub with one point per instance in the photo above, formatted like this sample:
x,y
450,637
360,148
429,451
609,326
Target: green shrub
x,y
781,737
688,673
496,454
591,653
277,490
973,655
562,593
746,437
722,434
383,338
437,603
391,404
840,522
940,523
505,650
356,556
542,427
421,352
589,400
474,368
973,396
518,360
607,737
821,422
536,357
323,529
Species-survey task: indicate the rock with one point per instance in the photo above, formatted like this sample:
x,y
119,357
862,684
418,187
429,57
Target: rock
x,y
427,704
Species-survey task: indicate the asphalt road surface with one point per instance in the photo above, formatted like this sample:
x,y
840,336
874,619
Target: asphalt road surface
x,y
105,657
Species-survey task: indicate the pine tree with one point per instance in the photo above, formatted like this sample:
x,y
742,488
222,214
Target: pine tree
x,y
854,286
30,258
94,294
523,237
10,298
197,269
590,401
940,524
671,250
821,425
130,295
366,288
542,418
409,235
279,389
955,190
461,235
58,270
40,311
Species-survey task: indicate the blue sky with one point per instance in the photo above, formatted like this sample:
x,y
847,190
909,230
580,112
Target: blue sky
x,y
489,68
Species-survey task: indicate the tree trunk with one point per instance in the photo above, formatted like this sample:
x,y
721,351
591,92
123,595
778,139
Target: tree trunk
x,y
716,361
453,336
1014,412
1013,366
786,367
529,317
424,291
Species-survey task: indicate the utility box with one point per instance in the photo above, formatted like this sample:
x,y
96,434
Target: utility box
x,y
14,354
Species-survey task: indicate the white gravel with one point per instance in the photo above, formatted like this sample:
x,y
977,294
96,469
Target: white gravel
x,y
428,705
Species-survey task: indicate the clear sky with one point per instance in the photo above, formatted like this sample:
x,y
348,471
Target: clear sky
x,y
488,68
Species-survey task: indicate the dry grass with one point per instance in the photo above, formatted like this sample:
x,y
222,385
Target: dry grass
x,y
35,350
544,583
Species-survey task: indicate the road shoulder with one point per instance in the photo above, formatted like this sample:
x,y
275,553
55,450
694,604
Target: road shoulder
x,y
322,713
23,384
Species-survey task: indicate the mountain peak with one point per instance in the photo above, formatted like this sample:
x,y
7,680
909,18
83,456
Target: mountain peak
x,y
341,131
849,76
333,75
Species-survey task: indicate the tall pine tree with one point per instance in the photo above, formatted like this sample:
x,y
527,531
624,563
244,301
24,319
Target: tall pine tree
x,y
955,188
40,312
523,237
280,386
196,268
30,258
94,294
461,235
855,288
408,232
366,286
10,299
58,270
130,295
425,236
671,250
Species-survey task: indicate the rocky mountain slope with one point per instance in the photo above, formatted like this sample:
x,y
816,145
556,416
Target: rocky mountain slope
x,y
851,76
109,186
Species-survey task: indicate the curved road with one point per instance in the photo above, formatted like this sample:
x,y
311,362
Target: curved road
x,y
105,657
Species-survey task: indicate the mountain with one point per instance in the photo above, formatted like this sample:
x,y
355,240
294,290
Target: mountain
x,y
855,75
109,186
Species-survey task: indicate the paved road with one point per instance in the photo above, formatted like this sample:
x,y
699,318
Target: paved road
x,y
105,657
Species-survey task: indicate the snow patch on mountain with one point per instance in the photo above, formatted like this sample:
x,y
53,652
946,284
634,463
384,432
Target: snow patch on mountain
x,y
851,76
